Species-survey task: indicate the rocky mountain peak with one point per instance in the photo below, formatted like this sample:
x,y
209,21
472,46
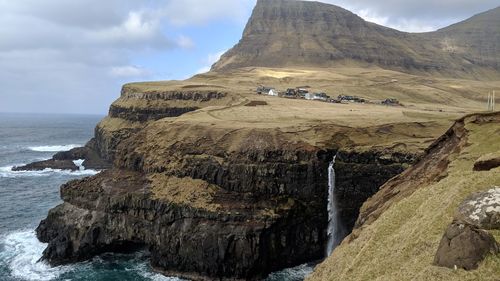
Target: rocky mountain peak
x,y
289,33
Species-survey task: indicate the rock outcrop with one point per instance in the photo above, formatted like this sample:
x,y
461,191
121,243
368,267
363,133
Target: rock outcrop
x,y
64,160
465,246
467,242
487,162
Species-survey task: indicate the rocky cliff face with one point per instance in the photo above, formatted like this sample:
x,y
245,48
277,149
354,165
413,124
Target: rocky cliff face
x,y
212,202
304,33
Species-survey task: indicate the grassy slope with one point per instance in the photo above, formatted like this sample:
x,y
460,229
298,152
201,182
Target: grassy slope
x,y
400,245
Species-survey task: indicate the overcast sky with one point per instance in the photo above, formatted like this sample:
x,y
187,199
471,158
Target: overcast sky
x,y
72,56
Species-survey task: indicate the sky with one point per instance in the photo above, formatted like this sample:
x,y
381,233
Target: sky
x,y
73,56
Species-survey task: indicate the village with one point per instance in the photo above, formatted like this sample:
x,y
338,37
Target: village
x,y
304,92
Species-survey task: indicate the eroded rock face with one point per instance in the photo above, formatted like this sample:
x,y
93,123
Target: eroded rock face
x,y
487,162
147,114
232,236
360,175
215,202
464,246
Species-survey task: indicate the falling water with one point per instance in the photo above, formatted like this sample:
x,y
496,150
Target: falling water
x,y
334,229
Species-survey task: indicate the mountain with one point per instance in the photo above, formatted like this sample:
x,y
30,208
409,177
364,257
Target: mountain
x,y
286,33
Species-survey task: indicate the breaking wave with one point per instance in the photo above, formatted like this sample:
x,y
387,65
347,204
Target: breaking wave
x,y
21,255
6,172
53,148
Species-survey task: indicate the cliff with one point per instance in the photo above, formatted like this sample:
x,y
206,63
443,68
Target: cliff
x,y
215,200
284,33
400,229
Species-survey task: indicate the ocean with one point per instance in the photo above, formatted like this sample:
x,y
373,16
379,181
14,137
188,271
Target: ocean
x,y
26,197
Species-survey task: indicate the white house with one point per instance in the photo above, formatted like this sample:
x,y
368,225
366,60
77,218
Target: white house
x,y
272,92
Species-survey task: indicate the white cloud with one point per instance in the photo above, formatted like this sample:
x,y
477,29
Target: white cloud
x,y
415,16
188,12
185,42
129,71
408,25
209,61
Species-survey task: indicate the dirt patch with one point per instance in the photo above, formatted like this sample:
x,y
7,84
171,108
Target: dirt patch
x,y
256,103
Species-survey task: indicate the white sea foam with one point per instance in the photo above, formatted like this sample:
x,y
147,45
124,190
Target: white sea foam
x,y
6,172
53,148
21,254
79,164
295,273
145,271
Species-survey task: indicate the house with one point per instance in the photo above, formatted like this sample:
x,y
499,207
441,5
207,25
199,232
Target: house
x,y
290,93
273,92
321,96
262,90
350,98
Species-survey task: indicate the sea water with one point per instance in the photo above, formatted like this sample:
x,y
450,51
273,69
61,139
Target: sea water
x,y
26,197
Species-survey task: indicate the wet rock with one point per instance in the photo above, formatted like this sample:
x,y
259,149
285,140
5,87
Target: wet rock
x,y
48,164
64,160
464,246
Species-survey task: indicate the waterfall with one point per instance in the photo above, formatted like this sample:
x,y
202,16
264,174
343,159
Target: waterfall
x,y
334,230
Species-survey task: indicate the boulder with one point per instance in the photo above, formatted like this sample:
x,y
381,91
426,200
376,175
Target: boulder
x,y
464,246
466,242
481,209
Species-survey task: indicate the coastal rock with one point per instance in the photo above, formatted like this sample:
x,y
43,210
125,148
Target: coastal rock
x,y
64,160
464,246
220,234
48,164
210,202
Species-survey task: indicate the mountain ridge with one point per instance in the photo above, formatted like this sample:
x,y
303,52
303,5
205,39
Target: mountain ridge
x,y
284,33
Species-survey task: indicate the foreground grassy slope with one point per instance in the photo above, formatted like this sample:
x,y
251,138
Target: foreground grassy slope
x,y
401,243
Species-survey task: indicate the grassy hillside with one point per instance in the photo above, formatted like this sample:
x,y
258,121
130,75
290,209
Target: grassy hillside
x,y
401,243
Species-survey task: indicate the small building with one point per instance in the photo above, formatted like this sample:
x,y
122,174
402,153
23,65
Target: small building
x,y
350,99
321,96
273,92
262,90
391,101
302,91
290,93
